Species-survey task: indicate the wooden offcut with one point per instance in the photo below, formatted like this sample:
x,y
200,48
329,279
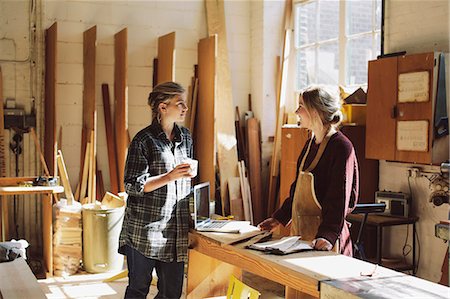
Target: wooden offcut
x,y
112,155
166,58
64,178
50,97
226,136
194,106
236,204
204,136
120,101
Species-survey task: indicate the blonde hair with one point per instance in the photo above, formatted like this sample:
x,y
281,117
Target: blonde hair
x,y
328,107
163,93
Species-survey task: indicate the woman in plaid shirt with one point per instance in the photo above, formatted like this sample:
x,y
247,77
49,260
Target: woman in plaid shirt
x,y
156,223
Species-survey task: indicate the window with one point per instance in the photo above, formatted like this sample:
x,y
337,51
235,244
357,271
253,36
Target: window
x,y
334,40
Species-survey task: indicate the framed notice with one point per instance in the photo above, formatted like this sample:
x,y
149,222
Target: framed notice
x,y
414,87
412,135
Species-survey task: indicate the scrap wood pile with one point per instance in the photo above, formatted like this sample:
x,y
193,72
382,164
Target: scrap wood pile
x,y
67,229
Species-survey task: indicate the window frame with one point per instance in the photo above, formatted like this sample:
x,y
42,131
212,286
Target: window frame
x,y
343,39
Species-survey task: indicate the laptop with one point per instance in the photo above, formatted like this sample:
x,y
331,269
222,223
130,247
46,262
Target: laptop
x,y
202,221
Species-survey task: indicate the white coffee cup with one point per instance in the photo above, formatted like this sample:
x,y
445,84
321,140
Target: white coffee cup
x,y
194,166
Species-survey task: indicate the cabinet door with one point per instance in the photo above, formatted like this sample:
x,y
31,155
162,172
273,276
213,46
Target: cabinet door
x,y
416,111
381,100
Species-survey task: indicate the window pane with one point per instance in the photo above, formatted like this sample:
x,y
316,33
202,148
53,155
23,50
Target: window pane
x,y
378,14
305,67
328,20
359,52
306,23
328,60
359,16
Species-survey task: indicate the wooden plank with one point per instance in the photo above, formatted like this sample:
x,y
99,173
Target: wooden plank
x,y
17,281
226,136
64,178
38,148
47,231
2,156
14,190
89,102
259,202
92,176
236,203
112,155
166,58
50,97
84,177
194,107
121,105
155,72
204,120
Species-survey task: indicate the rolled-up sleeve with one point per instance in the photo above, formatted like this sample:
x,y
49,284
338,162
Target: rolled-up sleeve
x,y
136,169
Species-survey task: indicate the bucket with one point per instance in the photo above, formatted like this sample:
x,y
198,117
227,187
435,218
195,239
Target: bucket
x,y
101,229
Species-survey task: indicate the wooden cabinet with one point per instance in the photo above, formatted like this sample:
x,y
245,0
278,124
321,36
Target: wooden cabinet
x,y
400,110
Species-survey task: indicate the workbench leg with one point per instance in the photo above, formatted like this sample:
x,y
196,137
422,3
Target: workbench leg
x,y
4,220
379,244
208,277
47,233
291,293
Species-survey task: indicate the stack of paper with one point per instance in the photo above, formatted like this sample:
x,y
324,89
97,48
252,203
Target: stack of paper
x,y
283,246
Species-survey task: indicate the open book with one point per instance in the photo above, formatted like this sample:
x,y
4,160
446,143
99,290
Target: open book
x,y
283,246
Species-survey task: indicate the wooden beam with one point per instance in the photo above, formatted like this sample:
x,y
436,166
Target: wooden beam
x,y
166,58
226,136
121,105
89,102
204,136
50,97
259,203
112,155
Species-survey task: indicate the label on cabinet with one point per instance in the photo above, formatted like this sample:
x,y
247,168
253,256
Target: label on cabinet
x,y
412,135
413,87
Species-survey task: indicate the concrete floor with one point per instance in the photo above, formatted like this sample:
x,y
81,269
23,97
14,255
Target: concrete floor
x,y
92,286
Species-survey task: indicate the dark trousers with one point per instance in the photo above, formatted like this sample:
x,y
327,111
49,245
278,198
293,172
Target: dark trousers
x,y
140,268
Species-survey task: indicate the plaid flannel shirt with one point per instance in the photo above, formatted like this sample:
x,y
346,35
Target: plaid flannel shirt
x,y
156,223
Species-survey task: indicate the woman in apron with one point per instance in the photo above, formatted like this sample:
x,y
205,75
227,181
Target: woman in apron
x,y
327,184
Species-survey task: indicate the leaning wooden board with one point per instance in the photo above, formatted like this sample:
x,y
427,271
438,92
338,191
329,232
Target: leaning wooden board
x,y
3,203
204,120
112,154
89,105
226,135
166,58
50,97
254,160
121,104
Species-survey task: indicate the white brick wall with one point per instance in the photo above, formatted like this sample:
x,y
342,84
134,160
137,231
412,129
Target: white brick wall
x,y
146,21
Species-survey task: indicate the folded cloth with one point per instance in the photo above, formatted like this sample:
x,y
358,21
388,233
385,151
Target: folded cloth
x,y
9,251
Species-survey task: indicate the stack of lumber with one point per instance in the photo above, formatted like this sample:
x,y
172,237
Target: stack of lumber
x,y
67,249
67,229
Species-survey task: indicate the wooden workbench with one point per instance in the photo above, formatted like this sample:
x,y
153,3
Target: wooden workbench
x,y
46,193
211,262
